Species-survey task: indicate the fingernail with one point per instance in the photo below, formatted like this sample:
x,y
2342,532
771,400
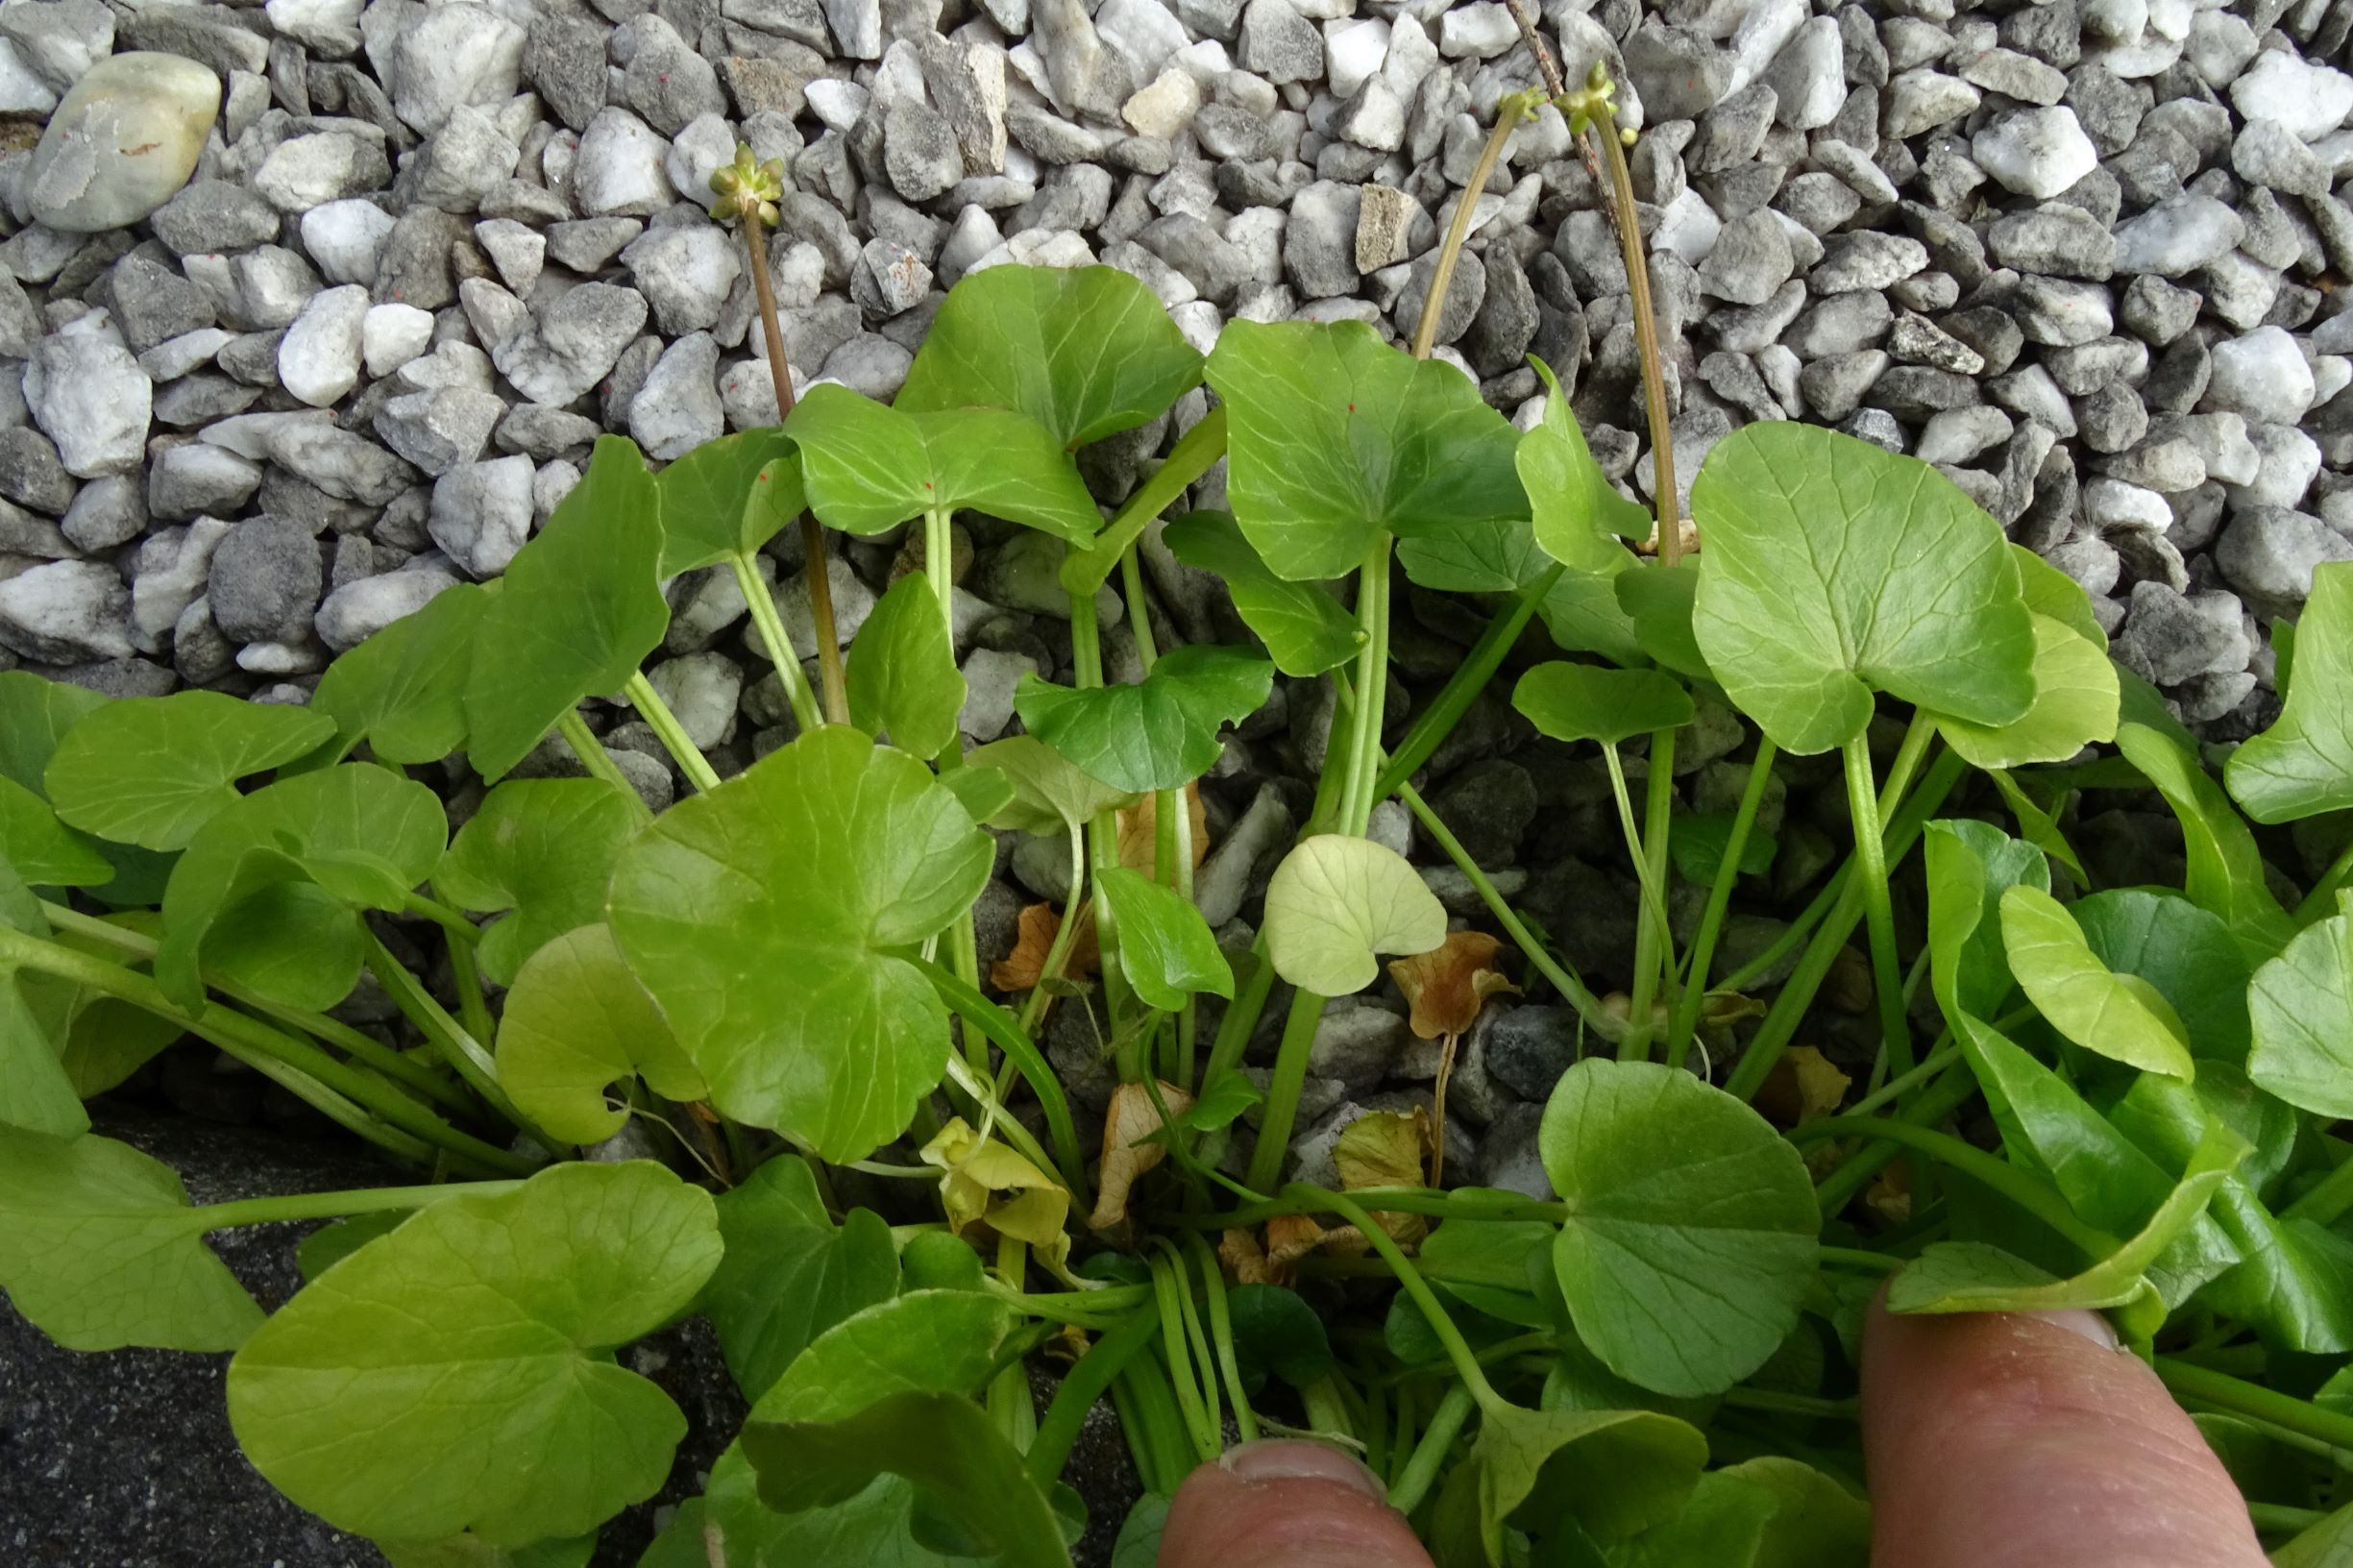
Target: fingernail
x,y
1291,1460
2092,1326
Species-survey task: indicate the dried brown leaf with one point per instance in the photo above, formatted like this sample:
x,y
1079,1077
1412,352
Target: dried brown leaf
x,y
1140,830
1025,965
1802,1085
1447,986
1128,1121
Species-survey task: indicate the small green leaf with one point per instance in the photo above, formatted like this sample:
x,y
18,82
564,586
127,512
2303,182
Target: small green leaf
x,y
1336,436
902,673
2185,951
1303,626
1158,734
789,1273
1494,555
45,853
1086,352
2225,872
349,1400
2303,764
1833,570
925,1341
34,715
575,1022
983,793
1336,901
579,609
1050,793
1701,839
1276,1332
870,467
99,1249
2051,593
1611,1472
543,848
873,1530
151,771
1494,1266
1689,1241
2301,1004
720,498
817,861
403,690
1580,516
1588,703
1165,948
1140,1533
2120,1017
1659,602
2074,704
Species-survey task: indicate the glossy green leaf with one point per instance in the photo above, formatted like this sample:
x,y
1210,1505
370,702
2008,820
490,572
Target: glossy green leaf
x,y
1834,569
924,1341
1165,948
2051,593
544,849
351,1403
1722,1526
2328,1544
577,1021
789,1273
1701,839
2120,1017
870,467
873,1530
1611,1472
1690,1234
34,715
1336,436
45,853
1817,1523
403,691
579,609
1494,1266
1141,1532
368,833
1276,1332
2226,871
1084,351
1580,516
2074,705
817,862
2301,1007
727,497
284,937
2185,951
2293,1285
1050,793
1588,703
1158,734
902,674
1336,901
1304,629
1659,602
151,771
1493,555
983,793
99,1249
2303,764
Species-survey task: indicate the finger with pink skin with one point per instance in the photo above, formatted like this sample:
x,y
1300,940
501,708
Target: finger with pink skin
x,y
1286,1505
2028,1440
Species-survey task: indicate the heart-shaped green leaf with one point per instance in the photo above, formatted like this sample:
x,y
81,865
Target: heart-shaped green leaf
x,y
34,715
789,1273
1588,703
2120,1017
727,496
575,1022
2074,704
2225,868
45,853
1690,1240
1335,436
543,848
1084,351
403,690
902,673
1834,569
151,771
1158,734
1579,517
924,1341
1302,625
99,1249
1701,839
2303,764
1049,792
1334,902
579,609
350,1402
2301,1004
1276,1332
870,467
817,862
1165,948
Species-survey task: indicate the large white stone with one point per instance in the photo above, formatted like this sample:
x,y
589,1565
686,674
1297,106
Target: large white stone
x,y
2310,100
2035,152
318,360
89,396
122,142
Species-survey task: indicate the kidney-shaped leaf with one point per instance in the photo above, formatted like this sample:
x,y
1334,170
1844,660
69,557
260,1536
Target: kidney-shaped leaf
x,y
2301,1004
1336,901
903,671
453,1375
1834,569
2120,1017
925,1341
99,1249
1164,945
151,771
727,497
1302,625
1335,436
870,467
1084,351
1691,1225
579,607
813,864
2303,764
543,848
789,1273
1158,734
575,1022
2074,704
403,690
1049,794
1588,703
1580,516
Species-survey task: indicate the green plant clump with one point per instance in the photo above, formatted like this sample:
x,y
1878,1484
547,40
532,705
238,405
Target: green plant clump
x,y
868,1177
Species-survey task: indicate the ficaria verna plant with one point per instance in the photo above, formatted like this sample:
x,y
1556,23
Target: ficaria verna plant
x,y
871,1180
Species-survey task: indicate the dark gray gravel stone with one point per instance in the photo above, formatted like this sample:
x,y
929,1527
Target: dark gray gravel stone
x,y
265,581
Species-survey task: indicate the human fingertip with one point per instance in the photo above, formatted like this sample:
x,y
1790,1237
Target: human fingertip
x,y
1286,1505
1288,1460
